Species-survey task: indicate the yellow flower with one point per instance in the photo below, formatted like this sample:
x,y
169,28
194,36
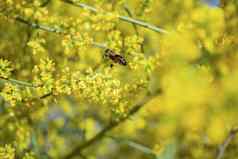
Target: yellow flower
x,y
7,152
217,130
179,46
5,68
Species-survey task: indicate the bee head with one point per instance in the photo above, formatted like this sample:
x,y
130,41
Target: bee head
x,y
107,52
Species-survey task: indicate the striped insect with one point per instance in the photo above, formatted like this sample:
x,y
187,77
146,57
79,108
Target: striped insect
x,y
116,58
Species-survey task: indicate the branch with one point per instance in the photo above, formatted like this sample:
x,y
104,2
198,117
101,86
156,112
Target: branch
x,y
99,136
18,82
225,144
40,26
39,97
53,30
26,84
46,95
122,18
130,14
134,144
134,26
44,4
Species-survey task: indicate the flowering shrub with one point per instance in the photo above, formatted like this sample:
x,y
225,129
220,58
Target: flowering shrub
x,y
161,92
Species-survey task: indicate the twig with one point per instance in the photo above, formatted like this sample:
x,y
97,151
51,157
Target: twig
x,y
37,98
53,30
40,26
130,14
78,149
122,18
23,83
134,26
223,147
44,4
46,95
134,144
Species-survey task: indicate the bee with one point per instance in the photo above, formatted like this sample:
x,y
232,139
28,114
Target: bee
x,y
116,58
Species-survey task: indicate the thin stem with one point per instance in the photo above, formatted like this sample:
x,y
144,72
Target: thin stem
x,y
46,95
78,149
134,144
23,83
143,24
53,30
99,45
40,26
226,143
122,18
130,14
44,4
134,26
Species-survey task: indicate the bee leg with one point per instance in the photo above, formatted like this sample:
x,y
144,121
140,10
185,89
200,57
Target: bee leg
x,y
111,65
104,56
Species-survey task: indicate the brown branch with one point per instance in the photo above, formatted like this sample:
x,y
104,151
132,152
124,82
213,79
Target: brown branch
x,y
223,147
78,149
46,95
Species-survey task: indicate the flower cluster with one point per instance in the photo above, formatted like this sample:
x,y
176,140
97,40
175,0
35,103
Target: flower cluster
x,y
11,93
5,68
75,43
44,76
104,21
7,152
